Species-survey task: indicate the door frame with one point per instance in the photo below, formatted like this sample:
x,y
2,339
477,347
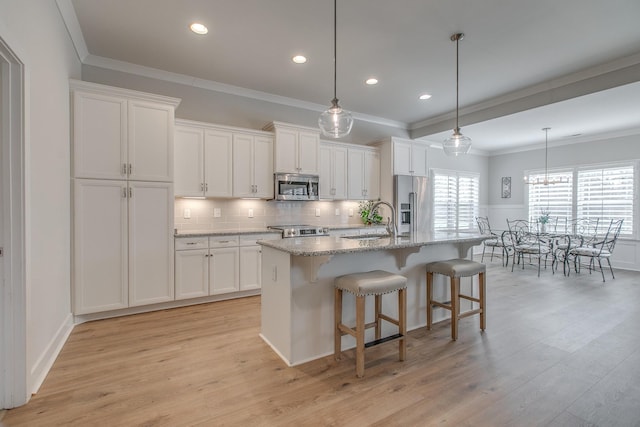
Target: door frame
x,y
13,306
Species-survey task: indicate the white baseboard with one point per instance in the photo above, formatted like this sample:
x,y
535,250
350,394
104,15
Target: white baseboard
x,y
41,368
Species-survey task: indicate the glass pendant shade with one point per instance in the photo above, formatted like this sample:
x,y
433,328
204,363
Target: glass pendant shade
x,y
456,144
335,122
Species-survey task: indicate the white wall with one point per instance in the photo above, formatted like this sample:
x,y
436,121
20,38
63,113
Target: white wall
x,y
50,60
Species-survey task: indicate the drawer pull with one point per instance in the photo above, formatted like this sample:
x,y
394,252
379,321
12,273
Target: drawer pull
x,y
192,243
223,241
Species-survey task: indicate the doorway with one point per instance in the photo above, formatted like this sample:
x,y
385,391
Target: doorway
x,y
13,309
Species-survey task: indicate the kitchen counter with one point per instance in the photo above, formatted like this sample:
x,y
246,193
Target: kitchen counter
x,y
298,276
328,245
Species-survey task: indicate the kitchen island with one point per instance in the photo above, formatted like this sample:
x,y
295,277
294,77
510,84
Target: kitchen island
x,y
297,285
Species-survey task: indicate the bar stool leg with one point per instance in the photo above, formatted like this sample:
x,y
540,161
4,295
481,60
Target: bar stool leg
x,y
337,333
429,299
482,294
455,307
360,336
378,310
402,322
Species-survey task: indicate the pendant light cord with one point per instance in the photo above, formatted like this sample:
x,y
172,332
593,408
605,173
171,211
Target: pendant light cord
x,y
457,81
335,49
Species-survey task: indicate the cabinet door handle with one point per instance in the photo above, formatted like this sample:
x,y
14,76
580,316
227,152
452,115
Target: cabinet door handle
x,y
130,192
206,186
130,169
124,169
124,192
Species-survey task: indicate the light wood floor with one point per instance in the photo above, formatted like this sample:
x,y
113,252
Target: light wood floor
x,y
557,352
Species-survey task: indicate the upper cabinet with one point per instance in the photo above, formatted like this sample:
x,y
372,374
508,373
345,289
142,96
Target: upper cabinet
x,y
363,174
122,134
203,160
253,165
409,157
333,171
296,149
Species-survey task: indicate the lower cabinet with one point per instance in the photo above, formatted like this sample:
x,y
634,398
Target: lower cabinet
x,y
218,264
122,244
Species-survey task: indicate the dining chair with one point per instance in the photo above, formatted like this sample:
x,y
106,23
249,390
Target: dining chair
x,y
495,241
526,242
598,250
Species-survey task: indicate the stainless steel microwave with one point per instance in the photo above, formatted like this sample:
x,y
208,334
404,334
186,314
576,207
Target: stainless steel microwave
x,y
293,186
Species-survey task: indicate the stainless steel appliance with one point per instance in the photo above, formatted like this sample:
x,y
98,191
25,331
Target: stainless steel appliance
x,y
412,202
300,230
289,186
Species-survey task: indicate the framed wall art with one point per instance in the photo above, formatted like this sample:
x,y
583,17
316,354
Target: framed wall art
x,y
506,187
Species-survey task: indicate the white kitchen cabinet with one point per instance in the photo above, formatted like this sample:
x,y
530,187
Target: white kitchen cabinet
x,y
251,267
203,161
297,149
192,273
409,157
224,270
333,171
151,278
363,174
252,166
122,134
122,244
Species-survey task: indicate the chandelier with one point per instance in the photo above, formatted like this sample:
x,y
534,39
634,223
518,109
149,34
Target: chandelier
x,y
546,180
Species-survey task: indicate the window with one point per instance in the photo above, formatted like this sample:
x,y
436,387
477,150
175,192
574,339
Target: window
x,y
556,199
456,197
605,192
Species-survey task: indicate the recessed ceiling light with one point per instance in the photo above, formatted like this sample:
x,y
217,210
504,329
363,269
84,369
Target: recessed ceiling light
x,y
299,59
425,96
198,28
371,81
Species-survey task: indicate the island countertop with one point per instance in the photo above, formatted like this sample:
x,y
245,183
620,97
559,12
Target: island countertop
x,y
329,245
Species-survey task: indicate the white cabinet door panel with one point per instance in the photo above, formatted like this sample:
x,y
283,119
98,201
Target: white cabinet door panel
x,y
99,246
308,152
224,270
263,167
250,273
192,273
242,165
100,136
402,158
218,149
189,164
150,141
151,278
340,173
286,151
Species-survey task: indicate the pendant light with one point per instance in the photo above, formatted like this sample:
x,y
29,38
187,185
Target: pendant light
x,y
335,122
457,143
546,180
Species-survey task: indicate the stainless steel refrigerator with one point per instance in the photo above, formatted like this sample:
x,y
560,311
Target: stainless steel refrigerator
x,y
412,203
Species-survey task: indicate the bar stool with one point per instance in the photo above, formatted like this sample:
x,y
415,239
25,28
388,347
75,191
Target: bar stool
x,y
376,283
455,269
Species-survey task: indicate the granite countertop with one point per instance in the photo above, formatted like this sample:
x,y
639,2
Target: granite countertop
x,y
204,233
328,245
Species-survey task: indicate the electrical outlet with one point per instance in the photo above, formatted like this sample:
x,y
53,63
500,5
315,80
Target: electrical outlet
x,y
337,212
216,213
350,212
317,211
187,214
250,213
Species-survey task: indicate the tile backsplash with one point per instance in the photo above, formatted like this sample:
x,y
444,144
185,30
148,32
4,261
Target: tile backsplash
x,y
250,214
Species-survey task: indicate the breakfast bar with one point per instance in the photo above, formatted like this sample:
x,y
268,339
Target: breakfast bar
x,y
298,275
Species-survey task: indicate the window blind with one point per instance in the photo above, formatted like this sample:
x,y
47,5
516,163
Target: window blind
x,y
556,199
456,197
607,193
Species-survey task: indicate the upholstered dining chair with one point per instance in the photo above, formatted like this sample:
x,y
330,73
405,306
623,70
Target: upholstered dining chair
x,y
495,241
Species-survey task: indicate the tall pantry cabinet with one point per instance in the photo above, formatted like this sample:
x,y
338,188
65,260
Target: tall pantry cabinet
x,y
122,171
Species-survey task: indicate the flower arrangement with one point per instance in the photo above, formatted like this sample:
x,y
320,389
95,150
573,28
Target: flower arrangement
x,y
544,217
368,218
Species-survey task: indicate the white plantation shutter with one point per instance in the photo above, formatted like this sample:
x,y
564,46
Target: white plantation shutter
x,y
456,197
607,193
556,199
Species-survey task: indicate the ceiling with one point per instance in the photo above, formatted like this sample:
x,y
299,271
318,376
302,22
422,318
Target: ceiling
x,y
572,65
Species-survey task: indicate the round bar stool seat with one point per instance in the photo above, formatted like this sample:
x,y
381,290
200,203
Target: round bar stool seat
x,y
455,269
375,283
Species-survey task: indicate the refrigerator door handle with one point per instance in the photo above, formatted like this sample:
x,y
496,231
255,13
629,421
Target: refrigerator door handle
x,y
412,212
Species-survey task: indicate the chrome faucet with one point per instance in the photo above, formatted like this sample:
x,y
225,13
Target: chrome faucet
x,y
393,231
